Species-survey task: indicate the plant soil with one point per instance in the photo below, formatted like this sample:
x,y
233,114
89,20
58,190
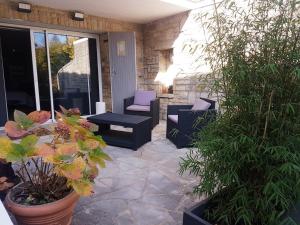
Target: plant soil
x,y
41,131
23,196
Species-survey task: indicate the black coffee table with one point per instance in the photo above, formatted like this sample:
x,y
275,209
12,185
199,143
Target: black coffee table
x,y
141,129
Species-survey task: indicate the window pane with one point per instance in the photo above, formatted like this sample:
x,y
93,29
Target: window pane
x,y
42,70
18,72
70,69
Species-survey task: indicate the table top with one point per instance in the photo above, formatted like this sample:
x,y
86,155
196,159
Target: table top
x,y
5,219
118,119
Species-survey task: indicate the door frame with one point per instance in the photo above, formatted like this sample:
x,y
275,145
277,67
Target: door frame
x,y
46,30
110,66
4,85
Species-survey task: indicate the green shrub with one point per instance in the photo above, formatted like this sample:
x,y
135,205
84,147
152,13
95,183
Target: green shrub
x,y
251,154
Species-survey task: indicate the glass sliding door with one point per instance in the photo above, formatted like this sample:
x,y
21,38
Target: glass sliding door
x,y
42,70
70,71
67,71
17,71
94,81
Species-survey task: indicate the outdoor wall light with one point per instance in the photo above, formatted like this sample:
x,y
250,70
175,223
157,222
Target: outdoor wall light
x,y
78,16
24,7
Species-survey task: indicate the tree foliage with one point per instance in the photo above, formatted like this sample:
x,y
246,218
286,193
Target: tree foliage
x,y
250,156
61,53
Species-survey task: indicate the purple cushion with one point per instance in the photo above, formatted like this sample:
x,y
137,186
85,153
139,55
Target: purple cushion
x,y
201,105
144,97
141,108
173,118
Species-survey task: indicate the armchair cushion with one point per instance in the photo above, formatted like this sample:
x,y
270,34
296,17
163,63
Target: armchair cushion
x,y
140,108
173,118
201,105
144,97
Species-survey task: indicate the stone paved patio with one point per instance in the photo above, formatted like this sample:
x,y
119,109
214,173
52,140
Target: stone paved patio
x,y
139,187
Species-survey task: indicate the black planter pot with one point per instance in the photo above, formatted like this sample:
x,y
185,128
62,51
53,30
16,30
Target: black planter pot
x,y
294,213
194,215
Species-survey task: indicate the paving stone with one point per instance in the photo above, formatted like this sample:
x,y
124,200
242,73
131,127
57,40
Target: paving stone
x,y
130,192
169,202
163,183
145,214
92,217
125,218
112,207
177,216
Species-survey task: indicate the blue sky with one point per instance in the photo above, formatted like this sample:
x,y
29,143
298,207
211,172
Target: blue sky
x,y
39,38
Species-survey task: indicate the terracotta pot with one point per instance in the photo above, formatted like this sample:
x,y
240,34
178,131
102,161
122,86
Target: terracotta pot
x,y
55,213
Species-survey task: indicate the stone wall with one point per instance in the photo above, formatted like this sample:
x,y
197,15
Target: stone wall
x,y
180,33
159,35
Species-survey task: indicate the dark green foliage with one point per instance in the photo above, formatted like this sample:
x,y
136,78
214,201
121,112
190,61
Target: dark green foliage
x,y
252,151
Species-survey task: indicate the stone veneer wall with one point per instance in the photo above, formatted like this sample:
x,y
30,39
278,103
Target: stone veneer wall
x,y
106,81
73,75
180,33
59,19
159,35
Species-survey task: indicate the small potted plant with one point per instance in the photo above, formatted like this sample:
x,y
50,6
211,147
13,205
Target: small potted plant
x,y
248,160
55,170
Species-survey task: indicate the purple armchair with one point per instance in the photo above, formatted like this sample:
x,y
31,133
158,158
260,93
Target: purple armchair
x,y
143,103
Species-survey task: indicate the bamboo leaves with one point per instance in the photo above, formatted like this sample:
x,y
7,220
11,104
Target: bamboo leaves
x,y
250,156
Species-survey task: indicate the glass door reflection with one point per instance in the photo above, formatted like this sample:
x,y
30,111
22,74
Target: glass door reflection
x,y
42,70
67,72
70,69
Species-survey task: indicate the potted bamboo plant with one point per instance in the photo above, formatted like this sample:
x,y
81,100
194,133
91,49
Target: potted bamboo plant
x,y
55,170
248,160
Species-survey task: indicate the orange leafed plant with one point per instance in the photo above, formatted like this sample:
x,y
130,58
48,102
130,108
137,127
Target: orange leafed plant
x,y
70,160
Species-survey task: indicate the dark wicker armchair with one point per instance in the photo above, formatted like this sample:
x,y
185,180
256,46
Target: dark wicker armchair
x,y
182,122
152,110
